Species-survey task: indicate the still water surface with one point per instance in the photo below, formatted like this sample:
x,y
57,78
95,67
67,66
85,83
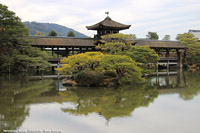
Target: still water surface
x,y
165,104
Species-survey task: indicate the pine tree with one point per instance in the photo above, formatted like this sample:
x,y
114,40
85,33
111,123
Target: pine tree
x,y
152,36
16,53
52,33
166,38
70,34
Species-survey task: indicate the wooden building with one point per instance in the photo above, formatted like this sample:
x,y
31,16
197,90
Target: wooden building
x,y
196,33
170,52
107,26
62,45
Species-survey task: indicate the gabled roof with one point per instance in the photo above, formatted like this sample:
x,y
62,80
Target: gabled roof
x,y
196,33
91,42
62,41
108,23
159,44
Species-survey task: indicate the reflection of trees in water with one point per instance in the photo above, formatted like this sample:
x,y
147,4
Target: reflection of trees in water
x,y
192,85
15,94
108,102
187,84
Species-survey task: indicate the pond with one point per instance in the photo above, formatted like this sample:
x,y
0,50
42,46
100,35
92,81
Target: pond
x,y
165,104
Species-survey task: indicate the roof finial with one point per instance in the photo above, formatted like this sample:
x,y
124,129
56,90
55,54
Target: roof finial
x,y
107,13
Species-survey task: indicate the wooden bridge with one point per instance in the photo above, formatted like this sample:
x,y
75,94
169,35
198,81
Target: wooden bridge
x,y
170,52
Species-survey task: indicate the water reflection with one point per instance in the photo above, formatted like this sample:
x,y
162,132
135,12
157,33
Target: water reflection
x,y
192,85
15,96
107,102
18,94
186,84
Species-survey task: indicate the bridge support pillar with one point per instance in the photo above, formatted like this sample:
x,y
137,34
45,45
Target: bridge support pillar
x,y
179,55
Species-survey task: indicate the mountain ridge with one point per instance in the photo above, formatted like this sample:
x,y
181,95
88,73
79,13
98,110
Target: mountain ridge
x,y
45,28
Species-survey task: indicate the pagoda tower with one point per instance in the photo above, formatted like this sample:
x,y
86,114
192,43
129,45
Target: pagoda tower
x,y
107,26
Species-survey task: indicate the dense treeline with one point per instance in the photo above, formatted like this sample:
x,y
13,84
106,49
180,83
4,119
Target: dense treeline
x,y
192,57
16,54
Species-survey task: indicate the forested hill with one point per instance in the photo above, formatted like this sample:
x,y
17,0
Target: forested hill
x,y
45,28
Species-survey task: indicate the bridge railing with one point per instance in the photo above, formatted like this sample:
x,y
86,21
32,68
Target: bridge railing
x,y
168,59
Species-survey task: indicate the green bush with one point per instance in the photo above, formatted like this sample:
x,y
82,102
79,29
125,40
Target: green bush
x,y
89,78
110,74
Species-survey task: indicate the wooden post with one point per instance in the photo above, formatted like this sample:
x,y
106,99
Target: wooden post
x,y
93,48
52,68
38,69
72,50
157,68
167,79
81,50
67,52
184,55
52,51
167,66
57,52
179,58
58,66
167,53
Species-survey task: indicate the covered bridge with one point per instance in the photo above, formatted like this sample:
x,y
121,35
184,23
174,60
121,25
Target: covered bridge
x,y
168,50
62,45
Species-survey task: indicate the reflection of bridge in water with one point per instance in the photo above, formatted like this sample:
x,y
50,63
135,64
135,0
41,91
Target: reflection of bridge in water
x,y
174,80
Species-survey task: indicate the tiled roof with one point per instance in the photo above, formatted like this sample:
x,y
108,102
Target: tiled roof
x,y
159,44
90,42
62,41
108,23
196,33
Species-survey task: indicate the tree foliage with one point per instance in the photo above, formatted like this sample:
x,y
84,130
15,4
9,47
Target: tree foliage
x,y
16,54
89,78
126,69
115,43
109,103
124,66
166,38
39,34
80,62
14,106
70,34
193,51
152,35
143,54
52,33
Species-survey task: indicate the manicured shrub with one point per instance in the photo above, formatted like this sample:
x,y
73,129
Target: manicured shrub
x,y
110,74
89,78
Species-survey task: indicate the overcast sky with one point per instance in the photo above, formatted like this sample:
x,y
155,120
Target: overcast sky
x,y
162,16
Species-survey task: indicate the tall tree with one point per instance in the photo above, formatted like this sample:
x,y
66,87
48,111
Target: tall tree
x,y
52,33
166,38
193,51
70,34
16,54
152,35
